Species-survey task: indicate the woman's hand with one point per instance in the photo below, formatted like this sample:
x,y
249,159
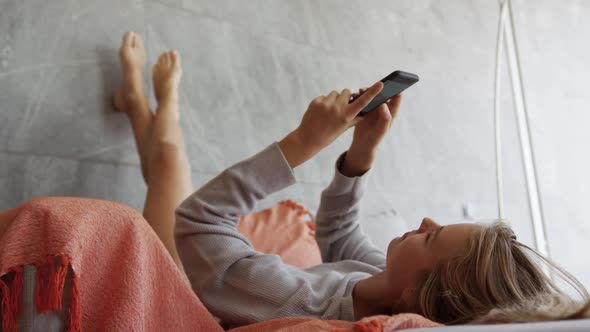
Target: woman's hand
x,y
368,133
326,118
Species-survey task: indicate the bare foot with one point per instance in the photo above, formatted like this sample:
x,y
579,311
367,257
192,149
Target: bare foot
x,y
132,56
166,76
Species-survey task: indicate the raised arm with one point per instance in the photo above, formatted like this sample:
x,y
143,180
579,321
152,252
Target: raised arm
x,y
338,233
235,282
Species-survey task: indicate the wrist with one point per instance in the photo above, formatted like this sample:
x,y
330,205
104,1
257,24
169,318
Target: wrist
x,y
362,155
295,149
355,164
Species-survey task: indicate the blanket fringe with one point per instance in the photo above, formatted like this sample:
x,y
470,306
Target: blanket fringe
x,y
8,319
16,291
57,281
41,286
50,278
74,320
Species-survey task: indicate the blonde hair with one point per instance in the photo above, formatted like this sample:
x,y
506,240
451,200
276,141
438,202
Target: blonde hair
x,y
497,281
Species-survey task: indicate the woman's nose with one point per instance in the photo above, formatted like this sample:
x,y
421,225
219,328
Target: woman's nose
x,y
406,234
428,225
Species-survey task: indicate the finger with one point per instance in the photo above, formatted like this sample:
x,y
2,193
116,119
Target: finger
x,y
356,120
356,94
332,97
383,114
394,104
379,117
365,99
382,120
344,97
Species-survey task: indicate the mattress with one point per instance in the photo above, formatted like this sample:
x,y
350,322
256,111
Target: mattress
x,y
578,325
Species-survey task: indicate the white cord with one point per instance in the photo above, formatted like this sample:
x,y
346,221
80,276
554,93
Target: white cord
x,y
506,30
497,127
528,157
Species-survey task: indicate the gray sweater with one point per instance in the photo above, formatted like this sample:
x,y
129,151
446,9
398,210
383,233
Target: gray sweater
x,y
241,285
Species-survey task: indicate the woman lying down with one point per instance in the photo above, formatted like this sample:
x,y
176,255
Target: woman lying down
x,y
452,274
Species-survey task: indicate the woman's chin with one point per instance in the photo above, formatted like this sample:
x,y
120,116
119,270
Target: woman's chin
x,y
392,244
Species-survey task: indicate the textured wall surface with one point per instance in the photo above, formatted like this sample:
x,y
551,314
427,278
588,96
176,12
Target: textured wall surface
x,y
251,68
555,61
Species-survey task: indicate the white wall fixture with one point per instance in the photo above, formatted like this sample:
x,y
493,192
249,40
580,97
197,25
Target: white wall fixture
x,y
506,37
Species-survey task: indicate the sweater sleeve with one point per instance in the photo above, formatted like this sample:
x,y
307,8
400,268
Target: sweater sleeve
x,y
235,282
338,232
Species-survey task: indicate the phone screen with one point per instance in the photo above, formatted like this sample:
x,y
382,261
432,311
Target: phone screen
x,y
390,89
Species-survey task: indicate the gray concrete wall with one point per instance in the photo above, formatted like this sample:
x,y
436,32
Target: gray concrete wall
x,y
250,69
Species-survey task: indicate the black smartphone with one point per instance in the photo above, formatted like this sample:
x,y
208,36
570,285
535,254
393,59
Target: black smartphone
x,y
393,84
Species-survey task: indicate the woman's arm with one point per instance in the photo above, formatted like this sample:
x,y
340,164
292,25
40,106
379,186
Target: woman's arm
x,y
237,283
337,230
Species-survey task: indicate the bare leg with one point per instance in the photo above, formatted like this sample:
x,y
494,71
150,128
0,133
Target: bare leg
x,y
164,164
169,180
131,99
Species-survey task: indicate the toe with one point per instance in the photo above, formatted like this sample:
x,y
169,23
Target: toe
x,y
138,41
128,38
162,58
175,58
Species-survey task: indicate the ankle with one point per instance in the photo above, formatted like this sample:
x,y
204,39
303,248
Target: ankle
x,y
133,98
132,71
168,99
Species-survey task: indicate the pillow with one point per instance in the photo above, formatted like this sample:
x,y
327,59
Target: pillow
x,y
285,230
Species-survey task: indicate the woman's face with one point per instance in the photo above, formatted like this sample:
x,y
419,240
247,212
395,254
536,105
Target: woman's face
x,y
417,252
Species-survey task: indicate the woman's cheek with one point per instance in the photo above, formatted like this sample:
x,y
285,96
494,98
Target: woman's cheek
x,y
414,251
408,253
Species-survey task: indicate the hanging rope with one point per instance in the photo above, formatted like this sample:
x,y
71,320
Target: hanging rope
x,y
497,127
507,35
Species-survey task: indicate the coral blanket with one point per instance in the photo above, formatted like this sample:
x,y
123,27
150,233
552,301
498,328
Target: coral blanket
x,y
284,230
122,276
123,280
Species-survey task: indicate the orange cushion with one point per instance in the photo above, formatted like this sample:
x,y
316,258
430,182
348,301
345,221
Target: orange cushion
x,y
284,230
